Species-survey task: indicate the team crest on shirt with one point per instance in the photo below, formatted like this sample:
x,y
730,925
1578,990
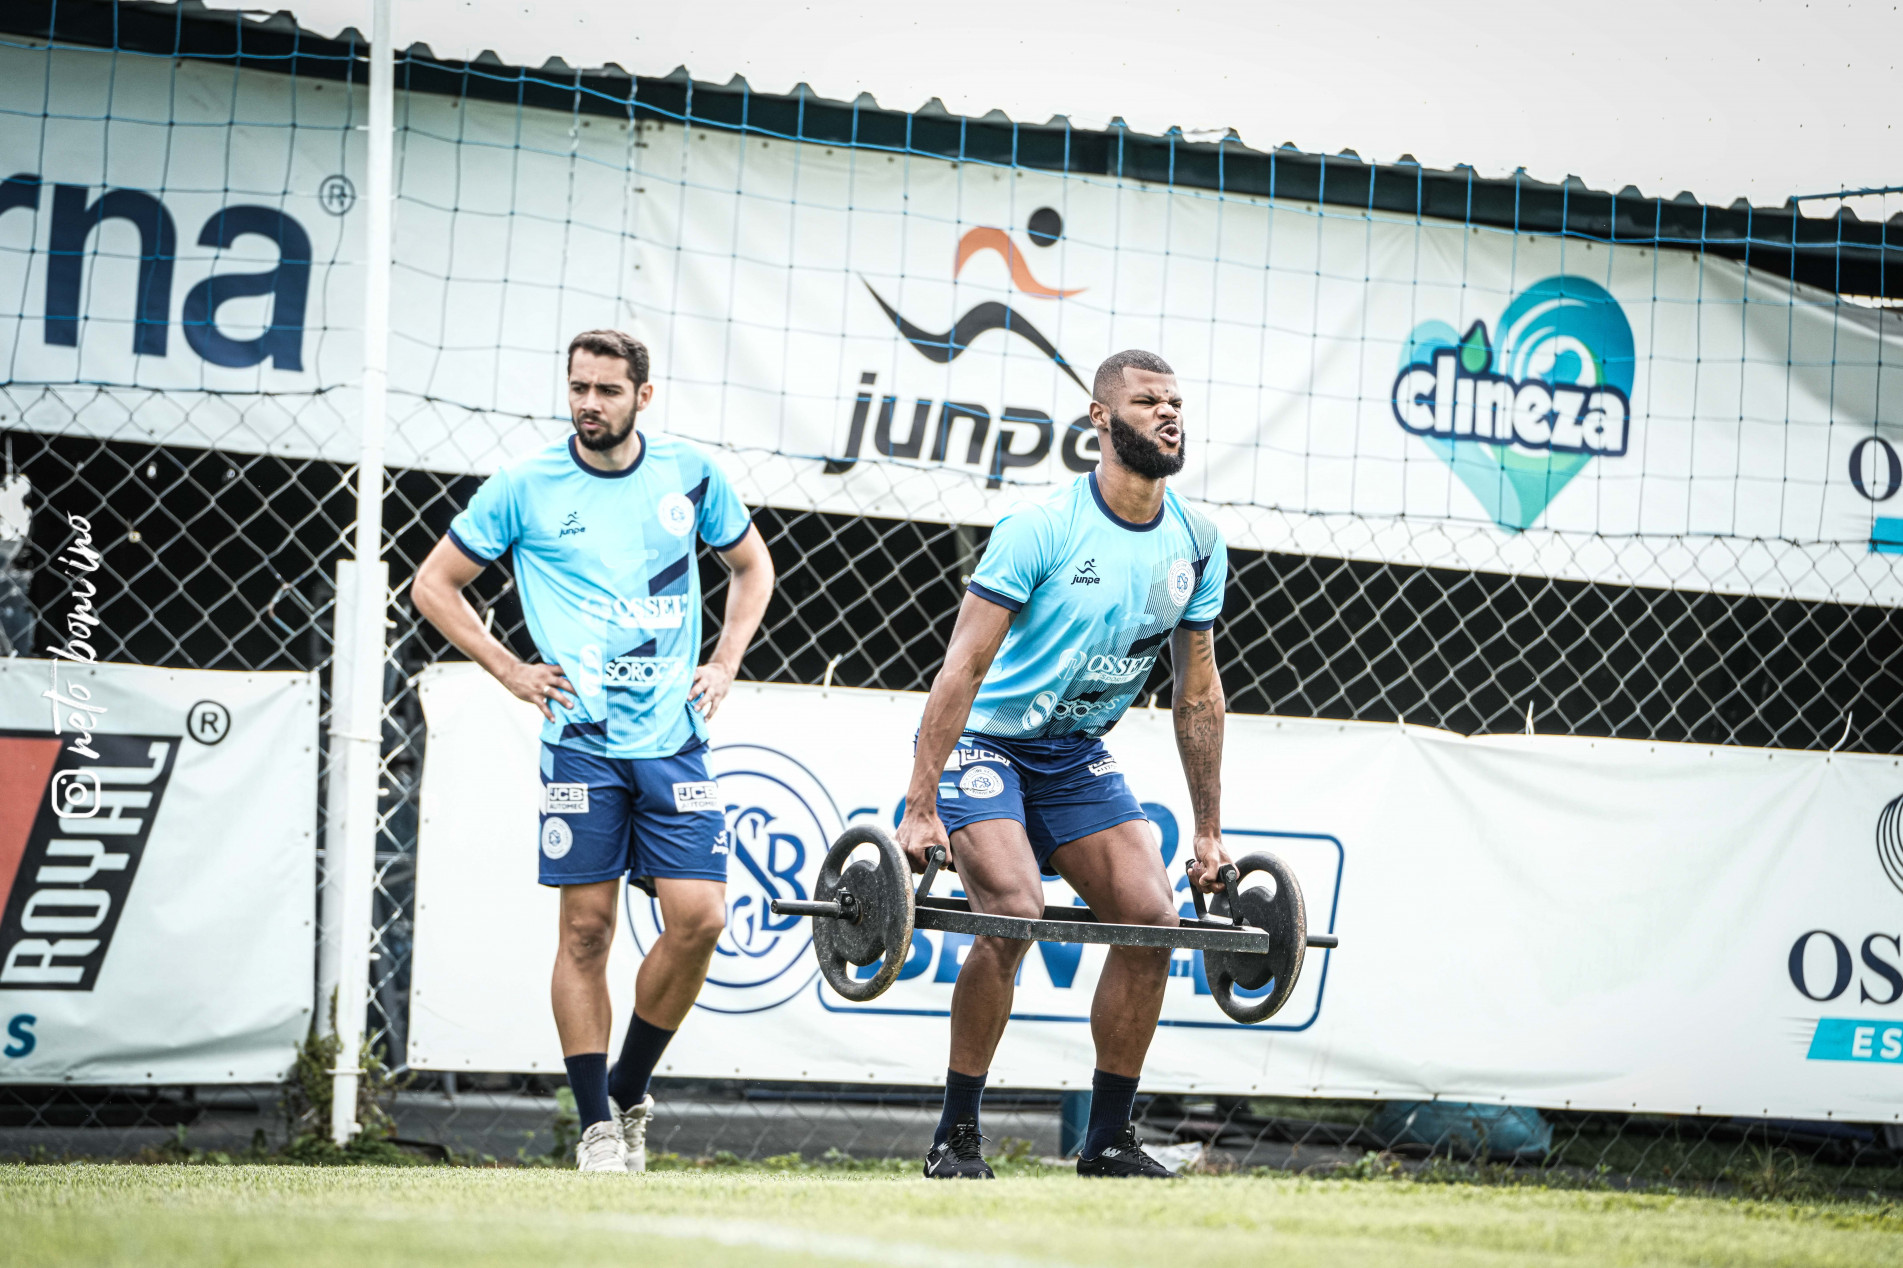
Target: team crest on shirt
x,y
1182,581
676,514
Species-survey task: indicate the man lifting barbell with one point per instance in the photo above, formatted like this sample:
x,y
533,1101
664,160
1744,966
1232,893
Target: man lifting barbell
x,y
1063,619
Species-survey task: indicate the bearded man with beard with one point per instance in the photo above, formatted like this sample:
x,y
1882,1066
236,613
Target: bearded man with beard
x,y
603,525
1064,618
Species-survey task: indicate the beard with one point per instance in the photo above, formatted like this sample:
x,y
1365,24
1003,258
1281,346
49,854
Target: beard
x,y
1143,455
608,438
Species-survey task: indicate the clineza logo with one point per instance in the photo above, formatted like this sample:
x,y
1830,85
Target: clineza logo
x,y
1518,411
780,822
1022,437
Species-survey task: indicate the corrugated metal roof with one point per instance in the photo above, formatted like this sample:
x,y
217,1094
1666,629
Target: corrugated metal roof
x,y
1841,254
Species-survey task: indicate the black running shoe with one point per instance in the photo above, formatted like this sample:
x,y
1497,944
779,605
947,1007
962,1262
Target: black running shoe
x,y
1123,1158
961,1157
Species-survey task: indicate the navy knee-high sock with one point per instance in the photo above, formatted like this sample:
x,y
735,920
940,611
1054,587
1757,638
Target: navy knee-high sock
x,y
1112,1097
962,1094
588,1080
640,1052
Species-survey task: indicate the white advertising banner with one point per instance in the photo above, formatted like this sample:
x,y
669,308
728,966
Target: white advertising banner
x,y
1594,924
156,860
896,335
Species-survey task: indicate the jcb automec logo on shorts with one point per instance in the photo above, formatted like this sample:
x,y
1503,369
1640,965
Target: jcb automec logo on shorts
x,y
564,799
694,797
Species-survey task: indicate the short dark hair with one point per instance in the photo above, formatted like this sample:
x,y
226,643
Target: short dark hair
x,y
1110,373
612,343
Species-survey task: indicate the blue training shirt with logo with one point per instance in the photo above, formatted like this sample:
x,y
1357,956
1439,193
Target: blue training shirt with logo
x,y
604,562
1095,598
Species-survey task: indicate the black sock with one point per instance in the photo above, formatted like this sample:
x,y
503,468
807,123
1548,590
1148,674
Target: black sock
x,y
588,1080
640,1053
1112,1098
962,1094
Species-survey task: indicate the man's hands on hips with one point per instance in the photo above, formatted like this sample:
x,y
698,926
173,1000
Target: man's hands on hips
x,y
538,684
1210,857
918,833
712,681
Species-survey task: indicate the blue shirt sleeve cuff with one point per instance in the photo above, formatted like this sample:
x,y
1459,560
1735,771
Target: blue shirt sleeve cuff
x,y
1187,624
738,537
989,595
463,546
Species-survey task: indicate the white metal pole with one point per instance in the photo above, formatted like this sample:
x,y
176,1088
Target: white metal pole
x,y
330,891
356,734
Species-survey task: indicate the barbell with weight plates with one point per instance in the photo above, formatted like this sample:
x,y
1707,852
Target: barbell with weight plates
x,y
864,911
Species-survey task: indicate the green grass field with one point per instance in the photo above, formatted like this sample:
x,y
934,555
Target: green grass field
x,y
156,1215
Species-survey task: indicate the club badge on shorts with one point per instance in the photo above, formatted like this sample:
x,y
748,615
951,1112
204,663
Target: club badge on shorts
x,y
557,837
981,782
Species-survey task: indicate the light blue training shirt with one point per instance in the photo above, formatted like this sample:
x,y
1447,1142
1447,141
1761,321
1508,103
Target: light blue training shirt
x,y
1095,598
604,562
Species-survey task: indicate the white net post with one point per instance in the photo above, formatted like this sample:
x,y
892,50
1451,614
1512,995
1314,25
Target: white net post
x,y
355,738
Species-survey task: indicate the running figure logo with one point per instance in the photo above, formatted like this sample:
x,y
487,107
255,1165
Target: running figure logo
x,y
1046,227
1086,574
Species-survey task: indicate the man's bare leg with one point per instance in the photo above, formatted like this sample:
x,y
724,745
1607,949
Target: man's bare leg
x,y
693,915
579,995
1120,875
579,991
1000,877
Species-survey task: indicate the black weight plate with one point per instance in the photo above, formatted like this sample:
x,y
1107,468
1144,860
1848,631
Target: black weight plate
x,y
1286,921
863,941
880,884
1250,907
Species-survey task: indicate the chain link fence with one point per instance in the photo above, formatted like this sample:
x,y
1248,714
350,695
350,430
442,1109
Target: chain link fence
x,y
227,508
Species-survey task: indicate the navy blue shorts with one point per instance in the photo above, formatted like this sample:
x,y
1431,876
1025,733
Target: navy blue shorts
x,y
608,817
1060,790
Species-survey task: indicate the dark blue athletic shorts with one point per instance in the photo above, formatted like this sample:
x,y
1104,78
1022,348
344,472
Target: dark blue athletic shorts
x,y
608,817
1059,789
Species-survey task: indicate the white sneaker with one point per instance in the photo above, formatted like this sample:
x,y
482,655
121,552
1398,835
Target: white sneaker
x,y
601,1149
634,1130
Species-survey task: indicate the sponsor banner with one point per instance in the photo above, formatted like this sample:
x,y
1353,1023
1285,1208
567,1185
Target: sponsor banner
x,y
1550,921
156,846
1368,386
